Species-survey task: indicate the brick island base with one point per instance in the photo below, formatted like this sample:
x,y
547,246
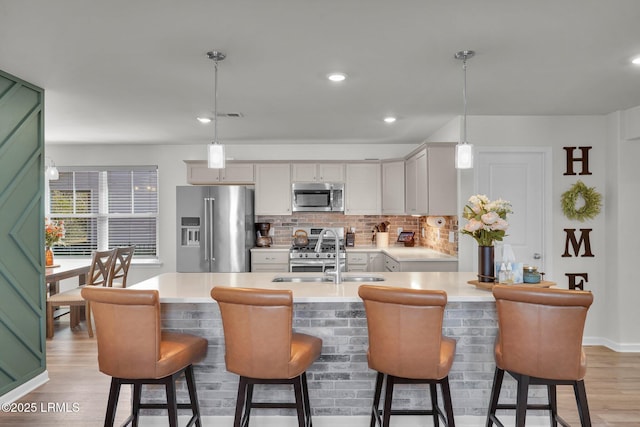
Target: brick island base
x,y
340,382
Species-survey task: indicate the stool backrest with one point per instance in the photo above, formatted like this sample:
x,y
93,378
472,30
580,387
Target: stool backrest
x,y
257,327
405,330
127,329
120,266
540,330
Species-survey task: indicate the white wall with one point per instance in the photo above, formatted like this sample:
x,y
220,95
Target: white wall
x,y
614,317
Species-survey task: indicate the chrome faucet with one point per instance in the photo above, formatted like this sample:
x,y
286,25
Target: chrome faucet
x,y
338,278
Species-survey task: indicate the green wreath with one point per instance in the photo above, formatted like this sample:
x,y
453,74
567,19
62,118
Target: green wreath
x,y
592,202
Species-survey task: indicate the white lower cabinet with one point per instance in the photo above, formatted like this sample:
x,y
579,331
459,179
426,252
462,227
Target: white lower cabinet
x,y
393,265
265,260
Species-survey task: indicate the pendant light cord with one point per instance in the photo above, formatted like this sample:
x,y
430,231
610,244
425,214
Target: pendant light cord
x,y
215,102
464,100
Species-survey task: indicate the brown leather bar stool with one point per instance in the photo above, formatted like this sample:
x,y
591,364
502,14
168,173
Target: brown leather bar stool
x,y
133,350
540,342
262,348
406,346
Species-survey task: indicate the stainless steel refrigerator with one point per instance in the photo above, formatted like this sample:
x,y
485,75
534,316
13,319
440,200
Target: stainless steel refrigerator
x,y
215,228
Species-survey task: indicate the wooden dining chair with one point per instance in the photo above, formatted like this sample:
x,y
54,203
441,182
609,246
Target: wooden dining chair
x,y
98,275
120,266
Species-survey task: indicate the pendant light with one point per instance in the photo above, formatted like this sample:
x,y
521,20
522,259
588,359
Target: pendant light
x,y
464,150
215,153
51,171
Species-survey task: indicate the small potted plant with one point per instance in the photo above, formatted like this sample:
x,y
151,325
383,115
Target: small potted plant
x,y
53,235
487,223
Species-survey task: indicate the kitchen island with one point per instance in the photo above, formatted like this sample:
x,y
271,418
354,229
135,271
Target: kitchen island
x,y
340,381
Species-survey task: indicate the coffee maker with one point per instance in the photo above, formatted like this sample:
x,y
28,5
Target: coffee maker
x,y
263,239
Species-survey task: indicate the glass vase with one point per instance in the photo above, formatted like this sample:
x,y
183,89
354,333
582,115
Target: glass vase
x,y
486,266
48,256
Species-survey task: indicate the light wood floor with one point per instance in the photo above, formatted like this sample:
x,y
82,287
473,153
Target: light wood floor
x,y
612,381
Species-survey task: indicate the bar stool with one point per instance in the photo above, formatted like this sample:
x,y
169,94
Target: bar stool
x,y
261,347
406,346
540,342
133,350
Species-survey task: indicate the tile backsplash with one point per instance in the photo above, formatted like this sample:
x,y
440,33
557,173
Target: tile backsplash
x,y
431,237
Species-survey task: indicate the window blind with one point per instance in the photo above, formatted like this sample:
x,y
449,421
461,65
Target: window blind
x,y
106,208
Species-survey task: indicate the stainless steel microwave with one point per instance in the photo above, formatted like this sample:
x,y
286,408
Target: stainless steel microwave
x,y
317,197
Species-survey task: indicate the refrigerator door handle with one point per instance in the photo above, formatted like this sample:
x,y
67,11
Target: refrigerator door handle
x,y
211,222
206,229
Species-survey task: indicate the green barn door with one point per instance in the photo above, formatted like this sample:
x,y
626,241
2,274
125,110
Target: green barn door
x,y
22,292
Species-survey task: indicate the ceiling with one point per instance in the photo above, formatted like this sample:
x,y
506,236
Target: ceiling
x,y
123,71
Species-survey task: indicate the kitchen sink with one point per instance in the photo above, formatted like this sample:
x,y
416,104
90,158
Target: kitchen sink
x,y
329,279
302,279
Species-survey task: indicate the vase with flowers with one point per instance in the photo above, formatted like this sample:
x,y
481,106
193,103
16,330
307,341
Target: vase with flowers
x,y
487,223
53,235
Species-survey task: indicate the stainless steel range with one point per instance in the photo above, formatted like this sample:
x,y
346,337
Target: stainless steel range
x,y
320,253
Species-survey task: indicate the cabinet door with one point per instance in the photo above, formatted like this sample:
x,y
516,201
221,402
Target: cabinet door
x,y
376,261
199,173
422,184
331,172
273,189
357,261
417,195
443,179
304,172
362,189
411,182
270,260
393,188
241,173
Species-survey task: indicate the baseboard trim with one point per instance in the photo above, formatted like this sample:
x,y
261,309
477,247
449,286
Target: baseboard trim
x,y
26,388
617,347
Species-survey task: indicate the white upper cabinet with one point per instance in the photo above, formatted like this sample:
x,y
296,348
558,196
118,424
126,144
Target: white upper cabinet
x,y
233,173
393,188
443,180
362,189
431,181
273,189
317,172
417,200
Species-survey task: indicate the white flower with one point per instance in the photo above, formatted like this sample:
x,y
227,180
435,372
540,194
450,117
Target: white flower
x,y
487,219
490,217
500,224
473,225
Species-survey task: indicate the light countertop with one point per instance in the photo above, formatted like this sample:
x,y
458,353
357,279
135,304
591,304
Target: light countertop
x,y
399,253
196,287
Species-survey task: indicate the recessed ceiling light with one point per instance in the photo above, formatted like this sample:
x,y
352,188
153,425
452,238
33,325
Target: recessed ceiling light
x,y
389,119
636,60
337,77
204,119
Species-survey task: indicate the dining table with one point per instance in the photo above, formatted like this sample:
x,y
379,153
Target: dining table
x,y
66,269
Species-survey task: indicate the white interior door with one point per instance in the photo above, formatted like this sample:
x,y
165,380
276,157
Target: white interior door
x,y
521,177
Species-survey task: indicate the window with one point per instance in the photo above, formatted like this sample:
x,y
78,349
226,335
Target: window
x,y
106,207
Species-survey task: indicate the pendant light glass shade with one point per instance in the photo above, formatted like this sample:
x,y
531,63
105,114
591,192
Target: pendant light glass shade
x,y
216,156
464,156
464,150
215,152
51,171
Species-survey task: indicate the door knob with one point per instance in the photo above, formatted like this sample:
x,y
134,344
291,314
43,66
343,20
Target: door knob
x,y
537,256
